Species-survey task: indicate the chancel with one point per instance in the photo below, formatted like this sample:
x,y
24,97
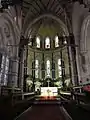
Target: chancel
x,y
45,59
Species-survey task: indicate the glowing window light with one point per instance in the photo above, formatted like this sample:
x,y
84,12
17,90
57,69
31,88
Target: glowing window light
x,y
36,68
47,42
48,68
59,68
38,42
56,41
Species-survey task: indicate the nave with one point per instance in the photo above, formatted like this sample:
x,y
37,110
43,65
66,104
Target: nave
x,y
45,110
55,109
44,50
37,108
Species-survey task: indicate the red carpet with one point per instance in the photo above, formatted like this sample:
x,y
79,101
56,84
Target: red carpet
x,y
43,112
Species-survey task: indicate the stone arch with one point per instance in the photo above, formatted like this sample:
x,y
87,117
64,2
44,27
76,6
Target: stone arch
x,y
65,29
85,48
13,26
29,17
1,38
7,38
10,36
8,28
84,34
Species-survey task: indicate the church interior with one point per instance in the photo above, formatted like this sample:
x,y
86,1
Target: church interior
x,y
44,59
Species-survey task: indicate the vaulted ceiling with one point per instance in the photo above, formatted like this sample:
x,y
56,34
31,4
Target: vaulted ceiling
x,y
49,27
32,9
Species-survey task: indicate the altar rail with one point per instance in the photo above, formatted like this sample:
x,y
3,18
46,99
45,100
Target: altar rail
x,y
76,96
20,97
13,105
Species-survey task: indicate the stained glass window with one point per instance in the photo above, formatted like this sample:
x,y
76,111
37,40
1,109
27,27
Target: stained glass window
x,y
38,42
4,70
56,41
59,68
36,68
47,42
65,41
48,68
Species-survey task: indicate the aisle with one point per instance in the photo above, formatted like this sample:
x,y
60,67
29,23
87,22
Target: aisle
x,y
43,112
77,112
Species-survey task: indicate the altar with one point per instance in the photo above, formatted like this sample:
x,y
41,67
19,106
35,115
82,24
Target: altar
x,y
49,91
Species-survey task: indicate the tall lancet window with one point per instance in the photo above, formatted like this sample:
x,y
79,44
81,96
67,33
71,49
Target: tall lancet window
x,y
59,68
47,42
64,39
38,42
36,68
2,68
6,71
56,41
48,68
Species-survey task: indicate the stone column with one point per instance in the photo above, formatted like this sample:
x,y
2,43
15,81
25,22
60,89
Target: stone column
x,y
43,43
34,73
73,60
62,67
77,39
25,67
13,72
71,65
21,70
53,68
42,68
69,59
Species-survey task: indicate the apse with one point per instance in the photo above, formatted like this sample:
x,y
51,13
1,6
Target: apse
x,y
47,57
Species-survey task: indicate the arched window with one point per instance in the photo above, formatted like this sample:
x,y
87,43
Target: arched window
x,y
59,68
36,68
38,42
56,41
48,68
2,67
4,70
47,42
65,41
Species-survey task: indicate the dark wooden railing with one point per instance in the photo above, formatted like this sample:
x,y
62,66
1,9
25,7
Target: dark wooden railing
x,y
14,104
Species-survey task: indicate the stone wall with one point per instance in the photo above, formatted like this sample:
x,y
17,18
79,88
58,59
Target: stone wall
x,y
9,44
81,31
47,56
